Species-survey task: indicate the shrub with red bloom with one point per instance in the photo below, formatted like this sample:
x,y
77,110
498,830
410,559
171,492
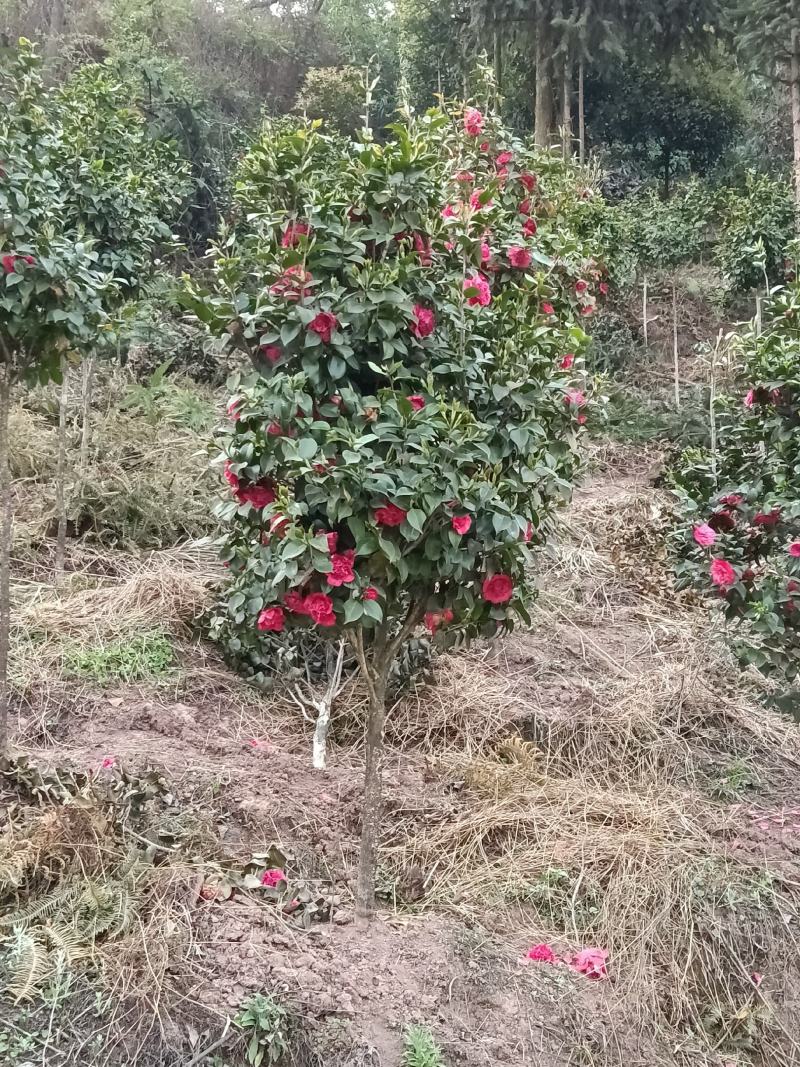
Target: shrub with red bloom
x,y
295,602
230,477
465,177
524,208
483,295
519,257
794,549
581,286
591,962
603,287
473,122
273,877
275,429
323,324
333,541
498,589
767,519
486,252
722,521
567,361
422,245
370,593
749,398
448,212
504,159
732,500
320,607
293,232
390,515
475,201
417,402
530,229
548,309
529,181
461,524
722,573
423,321
272,619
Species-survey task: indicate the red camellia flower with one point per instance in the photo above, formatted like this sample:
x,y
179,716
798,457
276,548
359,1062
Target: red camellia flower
x,y
323,324
548,309
272,619
567,361
581,286
435,619
333,541
423,321
342,572
704,535
484,146
271,352
275,429
576,397
390,515
530,228
417,402
525,207
486,252
519,257
320,607
370,593
792,586
722,573
293,283
529,181
541,954
422,245
767,519
461,524
794,549
295,602
465,176
473,122
293,232
732,500
448,211
603,287
10,262
504,159
259,496
722,520
475,201
484,293
587,309
498,589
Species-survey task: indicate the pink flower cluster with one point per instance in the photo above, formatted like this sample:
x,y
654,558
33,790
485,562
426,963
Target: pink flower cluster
x,y
588,961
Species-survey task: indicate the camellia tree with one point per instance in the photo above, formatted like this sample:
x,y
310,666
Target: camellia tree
x,y
406,425
740,542
77,224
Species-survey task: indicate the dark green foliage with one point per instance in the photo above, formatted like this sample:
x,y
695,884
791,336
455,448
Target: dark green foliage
x,y
756,228
664,121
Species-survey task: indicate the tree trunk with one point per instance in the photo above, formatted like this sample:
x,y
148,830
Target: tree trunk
x,y
371,809
795,92
676,364
543,112
566,110
581,116
644,309
498,64
61,474
667,164
55,29
6,518
87,372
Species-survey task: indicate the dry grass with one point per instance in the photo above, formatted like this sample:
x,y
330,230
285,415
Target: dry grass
x,y
585,753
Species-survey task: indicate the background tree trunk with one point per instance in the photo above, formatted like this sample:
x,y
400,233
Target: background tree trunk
x,y
543,111
675,361
87,375
581,116
61,473
55,29
566,109
6,517
371,818
498,63
795,94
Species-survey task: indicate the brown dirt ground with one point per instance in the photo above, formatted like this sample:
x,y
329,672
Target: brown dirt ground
x,y
611,686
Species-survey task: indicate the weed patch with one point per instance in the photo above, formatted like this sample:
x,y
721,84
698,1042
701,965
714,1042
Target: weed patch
x,y
147,656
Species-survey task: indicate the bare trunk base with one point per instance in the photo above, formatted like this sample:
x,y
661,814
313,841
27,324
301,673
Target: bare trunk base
x,y
61,473
371,809
675,361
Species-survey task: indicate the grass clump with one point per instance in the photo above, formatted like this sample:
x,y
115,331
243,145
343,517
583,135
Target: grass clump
x,y
266,1024
420,1048
146,656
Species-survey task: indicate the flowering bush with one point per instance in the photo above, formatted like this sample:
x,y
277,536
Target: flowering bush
x,y
740,542
408,423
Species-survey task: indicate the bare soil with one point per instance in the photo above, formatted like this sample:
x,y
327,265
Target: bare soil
x,y
624,723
